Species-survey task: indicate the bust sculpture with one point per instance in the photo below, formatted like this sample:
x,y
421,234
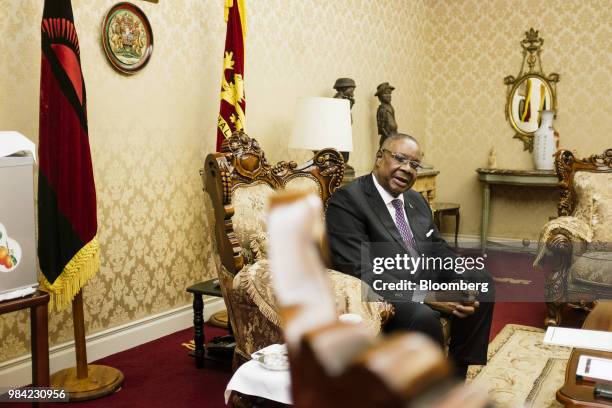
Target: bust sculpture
x,y
385,115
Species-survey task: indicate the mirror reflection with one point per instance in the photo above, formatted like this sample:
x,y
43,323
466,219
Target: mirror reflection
x,y
530,96
530,92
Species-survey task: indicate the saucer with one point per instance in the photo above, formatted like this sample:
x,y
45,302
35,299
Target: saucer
x,y
273,357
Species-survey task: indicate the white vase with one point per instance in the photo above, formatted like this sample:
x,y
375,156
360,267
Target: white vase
x,y
544,143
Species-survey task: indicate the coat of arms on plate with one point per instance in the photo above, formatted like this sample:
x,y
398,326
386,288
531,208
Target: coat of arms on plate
x,y
127,38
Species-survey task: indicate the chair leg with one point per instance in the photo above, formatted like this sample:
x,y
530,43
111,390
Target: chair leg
x,y
437,219
198,328
456,227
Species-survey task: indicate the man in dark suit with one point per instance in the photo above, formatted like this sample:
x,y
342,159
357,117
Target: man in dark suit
x,y
381,208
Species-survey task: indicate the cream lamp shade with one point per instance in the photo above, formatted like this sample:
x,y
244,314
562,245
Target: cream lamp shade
x,y
321,123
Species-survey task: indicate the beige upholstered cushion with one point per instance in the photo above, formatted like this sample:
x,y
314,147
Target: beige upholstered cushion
x,y
594,202
593,268
250,211
304,183
255,280
249,220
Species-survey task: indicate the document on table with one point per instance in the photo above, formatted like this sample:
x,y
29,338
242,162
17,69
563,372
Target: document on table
x,y
579,338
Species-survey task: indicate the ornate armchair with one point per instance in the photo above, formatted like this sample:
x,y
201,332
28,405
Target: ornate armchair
x,y
239,181
578,241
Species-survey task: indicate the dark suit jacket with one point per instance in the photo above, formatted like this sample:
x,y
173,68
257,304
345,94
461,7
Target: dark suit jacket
x,y
357,215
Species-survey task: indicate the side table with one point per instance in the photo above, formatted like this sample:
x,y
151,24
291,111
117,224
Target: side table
x,y
521,178
441,209
201,352
37,303
577,393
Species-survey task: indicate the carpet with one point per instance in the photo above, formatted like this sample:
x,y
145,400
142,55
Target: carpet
x,y
521,371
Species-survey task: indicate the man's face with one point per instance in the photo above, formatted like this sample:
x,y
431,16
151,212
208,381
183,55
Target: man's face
x,y
394,177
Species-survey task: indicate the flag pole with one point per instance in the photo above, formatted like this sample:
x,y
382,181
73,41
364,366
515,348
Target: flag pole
x,y
85,381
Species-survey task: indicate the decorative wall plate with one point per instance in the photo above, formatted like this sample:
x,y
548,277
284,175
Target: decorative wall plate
x,y
127,38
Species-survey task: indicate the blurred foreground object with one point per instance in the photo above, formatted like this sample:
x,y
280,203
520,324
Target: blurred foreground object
x,y
334,363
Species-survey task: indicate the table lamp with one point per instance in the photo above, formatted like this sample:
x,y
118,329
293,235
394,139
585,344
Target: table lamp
x,y
321,123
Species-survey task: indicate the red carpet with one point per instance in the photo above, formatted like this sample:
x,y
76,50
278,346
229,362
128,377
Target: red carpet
x,y
161,374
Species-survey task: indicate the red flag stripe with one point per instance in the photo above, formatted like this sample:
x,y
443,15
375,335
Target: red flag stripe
x,y
75,190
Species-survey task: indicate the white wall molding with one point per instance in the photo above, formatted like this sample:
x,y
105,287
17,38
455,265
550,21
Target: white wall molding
x,y
18,372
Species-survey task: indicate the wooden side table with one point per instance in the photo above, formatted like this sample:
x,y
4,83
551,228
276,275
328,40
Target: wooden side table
x,y
578,393
37,303
209,288
441,209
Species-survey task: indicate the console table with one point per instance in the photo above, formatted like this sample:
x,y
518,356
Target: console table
x,y
523,178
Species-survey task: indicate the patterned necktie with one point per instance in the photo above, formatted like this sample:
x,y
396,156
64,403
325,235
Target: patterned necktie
x,y
402,224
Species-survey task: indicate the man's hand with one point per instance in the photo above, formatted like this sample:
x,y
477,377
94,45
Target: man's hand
x,y
456,309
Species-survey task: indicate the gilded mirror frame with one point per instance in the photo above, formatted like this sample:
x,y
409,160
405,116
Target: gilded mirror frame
x,y
531,69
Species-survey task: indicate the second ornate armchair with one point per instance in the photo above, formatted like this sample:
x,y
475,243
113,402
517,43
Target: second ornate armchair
x,y
239,181
578,242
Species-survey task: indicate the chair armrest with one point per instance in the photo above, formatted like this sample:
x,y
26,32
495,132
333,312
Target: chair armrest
x,y
253,285
559,235
350,295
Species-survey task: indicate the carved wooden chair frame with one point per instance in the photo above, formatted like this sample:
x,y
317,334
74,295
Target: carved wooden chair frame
x,y
243,162
566,165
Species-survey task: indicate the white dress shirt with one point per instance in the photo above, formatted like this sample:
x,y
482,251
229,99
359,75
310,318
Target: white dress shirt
x,y
388,198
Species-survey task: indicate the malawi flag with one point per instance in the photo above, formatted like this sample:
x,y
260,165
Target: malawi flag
x,y
233,104
68,250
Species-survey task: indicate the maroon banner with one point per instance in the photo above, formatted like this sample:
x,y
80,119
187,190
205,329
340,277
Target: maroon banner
x,y
233,104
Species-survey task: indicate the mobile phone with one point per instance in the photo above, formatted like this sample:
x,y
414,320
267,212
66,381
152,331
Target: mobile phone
x,y
603,391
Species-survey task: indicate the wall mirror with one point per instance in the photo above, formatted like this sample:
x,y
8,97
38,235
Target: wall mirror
x,y
530,92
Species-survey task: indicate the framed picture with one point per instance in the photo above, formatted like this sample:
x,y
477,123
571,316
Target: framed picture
x,y
127,38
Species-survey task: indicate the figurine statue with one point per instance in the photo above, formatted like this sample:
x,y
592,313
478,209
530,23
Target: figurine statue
x,y
385,115
492,159
344,89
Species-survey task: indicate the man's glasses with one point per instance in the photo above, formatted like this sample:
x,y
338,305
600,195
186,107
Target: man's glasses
x,y
403,160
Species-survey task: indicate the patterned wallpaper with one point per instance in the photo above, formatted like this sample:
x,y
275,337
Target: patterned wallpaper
x,y
472,46
150,133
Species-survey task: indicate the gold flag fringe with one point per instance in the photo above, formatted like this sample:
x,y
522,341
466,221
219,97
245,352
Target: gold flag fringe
x,y
83,265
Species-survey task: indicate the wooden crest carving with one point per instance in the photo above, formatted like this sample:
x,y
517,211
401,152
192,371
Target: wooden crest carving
x,y
567,165
247,157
